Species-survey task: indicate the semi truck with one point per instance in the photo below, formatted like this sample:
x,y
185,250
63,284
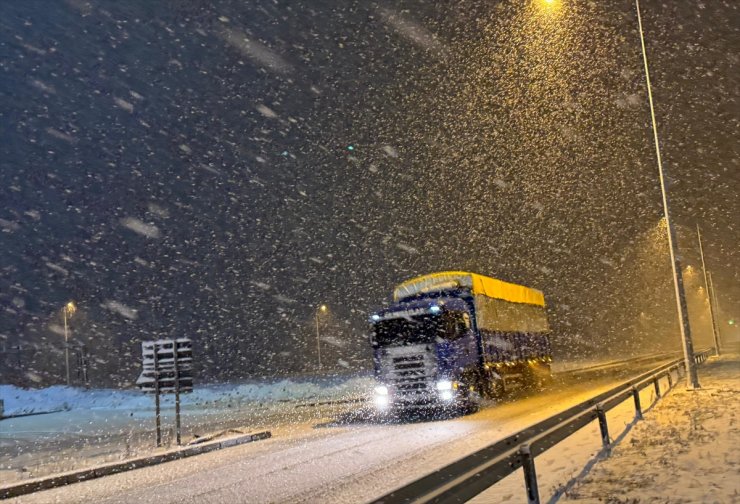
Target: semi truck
x,y
451,339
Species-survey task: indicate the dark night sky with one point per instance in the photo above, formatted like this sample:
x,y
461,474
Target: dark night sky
x,y
182,169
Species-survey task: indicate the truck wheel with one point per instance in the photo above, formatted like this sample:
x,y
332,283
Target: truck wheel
x,y
499,389
471,399
469,407
471,402
488,387
546,378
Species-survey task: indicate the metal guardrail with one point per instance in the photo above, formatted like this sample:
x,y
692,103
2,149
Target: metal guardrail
x,y
466,478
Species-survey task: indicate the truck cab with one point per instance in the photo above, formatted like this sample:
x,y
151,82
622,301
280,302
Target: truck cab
x,y
420,349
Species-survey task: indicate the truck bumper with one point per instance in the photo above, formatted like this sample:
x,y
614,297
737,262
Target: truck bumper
x,y
446,399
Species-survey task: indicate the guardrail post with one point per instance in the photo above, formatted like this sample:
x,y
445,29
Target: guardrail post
x,y
638,407
530,475
670,380
656,382
604,427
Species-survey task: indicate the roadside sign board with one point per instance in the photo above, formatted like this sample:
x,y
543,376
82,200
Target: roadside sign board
x,y
169,359
168,369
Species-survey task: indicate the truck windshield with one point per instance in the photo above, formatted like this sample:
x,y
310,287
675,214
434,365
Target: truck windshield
x,y
420,329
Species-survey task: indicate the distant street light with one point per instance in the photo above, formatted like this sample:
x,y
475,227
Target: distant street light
x,y
692,378
322,309
68,310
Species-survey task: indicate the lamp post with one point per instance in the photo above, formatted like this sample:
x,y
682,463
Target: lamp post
x,y
321,309
683,317
68,311
709,293
713,295
692,379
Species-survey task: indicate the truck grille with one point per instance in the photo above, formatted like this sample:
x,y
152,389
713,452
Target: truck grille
x,y
409,370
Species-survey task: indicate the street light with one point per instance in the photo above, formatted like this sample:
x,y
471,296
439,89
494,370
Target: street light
x,y
688,349
68,310
322,309
692,379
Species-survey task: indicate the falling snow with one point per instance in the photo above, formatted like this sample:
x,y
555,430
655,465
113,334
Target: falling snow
x,y
123,104
221,170
140,227
121,309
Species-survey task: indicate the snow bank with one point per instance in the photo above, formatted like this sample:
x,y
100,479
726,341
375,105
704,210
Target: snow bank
x,y
20,401
686,450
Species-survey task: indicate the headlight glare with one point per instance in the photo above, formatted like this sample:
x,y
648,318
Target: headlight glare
x,y
444,385
381,390
446,395
381,402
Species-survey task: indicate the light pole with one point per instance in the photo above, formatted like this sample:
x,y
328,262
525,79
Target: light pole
x,y
709,293
322,309
68,311
692,379
715,303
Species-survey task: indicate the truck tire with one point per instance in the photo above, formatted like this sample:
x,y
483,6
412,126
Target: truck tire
x,y
538,376
471,399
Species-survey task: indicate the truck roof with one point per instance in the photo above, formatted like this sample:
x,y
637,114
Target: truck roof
x,y
478,285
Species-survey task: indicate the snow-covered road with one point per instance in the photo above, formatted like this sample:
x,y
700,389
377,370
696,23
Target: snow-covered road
x,y
323,460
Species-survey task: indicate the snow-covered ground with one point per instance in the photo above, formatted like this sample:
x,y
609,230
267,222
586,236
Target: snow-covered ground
x,y
687,449
19,401
89,427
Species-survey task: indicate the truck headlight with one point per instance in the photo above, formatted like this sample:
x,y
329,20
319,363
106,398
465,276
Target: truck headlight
x,y
381,390
444,385
381,398
381,402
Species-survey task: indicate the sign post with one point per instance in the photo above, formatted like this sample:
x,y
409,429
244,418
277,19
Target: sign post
x,y
85,362
177,400
168,369
156,398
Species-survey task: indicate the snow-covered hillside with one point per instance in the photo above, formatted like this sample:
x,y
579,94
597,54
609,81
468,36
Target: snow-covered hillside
x,y
19,401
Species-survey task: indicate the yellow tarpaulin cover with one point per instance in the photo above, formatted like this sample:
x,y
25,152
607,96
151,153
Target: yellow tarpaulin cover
x,y
479,284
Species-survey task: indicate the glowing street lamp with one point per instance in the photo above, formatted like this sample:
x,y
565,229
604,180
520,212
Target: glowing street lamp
x,y
68,310
549,7
321,309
